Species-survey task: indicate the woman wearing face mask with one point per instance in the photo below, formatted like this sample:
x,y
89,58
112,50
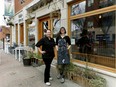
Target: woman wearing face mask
x,y
63,44
47,52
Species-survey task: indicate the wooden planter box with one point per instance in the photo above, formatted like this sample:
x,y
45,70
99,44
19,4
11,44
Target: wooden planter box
x,y
36,62
79,79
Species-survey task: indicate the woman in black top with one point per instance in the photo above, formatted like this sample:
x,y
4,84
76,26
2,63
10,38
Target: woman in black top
x,y
47,52
63,44
85,46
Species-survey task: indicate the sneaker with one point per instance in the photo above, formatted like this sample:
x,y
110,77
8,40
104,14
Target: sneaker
x,y
48,83
59,76
62,80
50,78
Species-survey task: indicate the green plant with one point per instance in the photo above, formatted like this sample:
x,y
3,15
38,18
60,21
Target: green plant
x,y
37,56
69,67
89,77
29,54
97,82
10,23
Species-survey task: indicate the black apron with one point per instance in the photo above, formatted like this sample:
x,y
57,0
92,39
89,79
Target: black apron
x,y
63,54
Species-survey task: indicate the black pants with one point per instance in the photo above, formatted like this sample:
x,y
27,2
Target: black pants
x,y
61,70
47,62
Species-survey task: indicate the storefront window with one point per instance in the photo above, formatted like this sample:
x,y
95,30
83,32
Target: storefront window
x,y
101,33
31,37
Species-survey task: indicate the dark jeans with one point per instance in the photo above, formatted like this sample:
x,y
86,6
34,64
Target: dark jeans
x,y
47,62
61,70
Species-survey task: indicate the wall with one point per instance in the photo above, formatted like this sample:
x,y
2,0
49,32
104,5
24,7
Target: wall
x,y
109,76
63,7
19,6
111,81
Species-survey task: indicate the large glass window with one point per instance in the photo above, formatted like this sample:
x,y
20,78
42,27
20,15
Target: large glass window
x,y
101,32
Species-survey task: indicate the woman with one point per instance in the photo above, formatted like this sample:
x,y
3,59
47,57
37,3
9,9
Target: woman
x,y
63,44
47,52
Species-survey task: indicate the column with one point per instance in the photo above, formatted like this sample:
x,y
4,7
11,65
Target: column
x,y
36,32
14,33
18,34
25,33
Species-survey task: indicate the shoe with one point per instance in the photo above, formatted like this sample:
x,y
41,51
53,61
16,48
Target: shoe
x,y
62,80
50,78
48,83
59,76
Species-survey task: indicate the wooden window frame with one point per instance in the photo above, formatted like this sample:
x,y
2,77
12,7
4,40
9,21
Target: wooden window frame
x,y
87,14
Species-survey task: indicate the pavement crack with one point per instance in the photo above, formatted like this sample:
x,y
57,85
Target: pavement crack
x,y
12,73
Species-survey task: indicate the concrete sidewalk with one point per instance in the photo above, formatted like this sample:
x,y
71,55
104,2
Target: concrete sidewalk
x,y
14,74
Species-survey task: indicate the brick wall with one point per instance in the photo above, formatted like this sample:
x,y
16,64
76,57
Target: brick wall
x,y
18,5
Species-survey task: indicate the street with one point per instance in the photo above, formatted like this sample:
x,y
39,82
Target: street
x,y
14,74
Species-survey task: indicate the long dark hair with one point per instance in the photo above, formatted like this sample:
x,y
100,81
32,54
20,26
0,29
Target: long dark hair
x,y
62,28
60,31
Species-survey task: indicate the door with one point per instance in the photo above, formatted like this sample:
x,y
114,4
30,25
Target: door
x,y
53,24
44,24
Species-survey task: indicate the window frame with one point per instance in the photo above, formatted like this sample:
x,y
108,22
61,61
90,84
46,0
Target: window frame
x,y
87,14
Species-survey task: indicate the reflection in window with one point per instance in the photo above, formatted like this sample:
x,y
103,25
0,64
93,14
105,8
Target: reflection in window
x,y
78,8
45,26
56,26
90,3
106,3
101,32
102,29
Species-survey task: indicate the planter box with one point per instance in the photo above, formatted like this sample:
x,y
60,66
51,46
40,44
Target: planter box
x,y
26,62
85,82
36,62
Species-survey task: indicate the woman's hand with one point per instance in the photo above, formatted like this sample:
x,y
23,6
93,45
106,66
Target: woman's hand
x,y
42,52
57,48
69,47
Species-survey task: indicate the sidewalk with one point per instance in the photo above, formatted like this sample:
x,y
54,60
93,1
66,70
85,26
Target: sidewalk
x,y
14,74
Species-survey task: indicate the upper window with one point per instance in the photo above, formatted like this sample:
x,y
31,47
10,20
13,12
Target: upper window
x,y
106,3
22,1
78,8
90,5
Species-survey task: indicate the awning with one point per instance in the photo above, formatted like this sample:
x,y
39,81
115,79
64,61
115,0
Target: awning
x,y
32,4
35,4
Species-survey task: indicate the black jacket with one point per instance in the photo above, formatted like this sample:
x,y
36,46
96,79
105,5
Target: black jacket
x,y
48,46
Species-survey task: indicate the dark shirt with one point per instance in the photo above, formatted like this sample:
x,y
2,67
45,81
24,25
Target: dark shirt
x,y
48,46
84,44
66,38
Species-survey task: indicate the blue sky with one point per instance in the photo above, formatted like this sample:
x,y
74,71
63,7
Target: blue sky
x,y
2,22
